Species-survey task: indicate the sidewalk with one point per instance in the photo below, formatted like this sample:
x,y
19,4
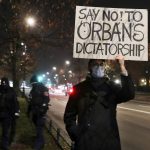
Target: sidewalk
x,y
25,133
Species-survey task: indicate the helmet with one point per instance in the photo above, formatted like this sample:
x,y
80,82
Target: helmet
x,y
33,79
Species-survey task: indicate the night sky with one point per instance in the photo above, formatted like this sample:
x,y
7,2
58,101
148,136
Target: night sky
x,y
48,55
61,54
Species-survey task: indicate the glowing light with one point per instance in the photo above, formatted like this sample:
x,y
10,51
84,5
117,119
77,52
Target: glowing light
x,y
67,62
117,81
30,21
142,80
54,68
71,90
40,78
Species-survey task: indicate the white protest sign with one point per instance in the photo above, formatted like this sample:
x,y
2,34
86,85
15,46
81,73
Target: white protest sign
x,y
103,33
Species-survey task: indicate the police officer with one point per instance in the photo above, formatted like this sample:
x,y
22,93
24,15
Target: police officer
x,y
9,110
38,106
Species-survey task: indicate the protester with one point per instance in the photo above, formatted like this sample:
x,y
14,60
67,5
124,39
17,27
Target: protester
x,y
38,106
90,114
9,111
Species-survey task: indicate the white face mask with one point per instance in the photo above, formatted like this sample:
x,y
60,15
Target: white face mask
x,y
98,71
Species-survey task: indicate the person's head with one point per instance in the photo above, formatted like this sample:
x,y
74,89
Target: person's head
x,y
34,79
4,81
96,68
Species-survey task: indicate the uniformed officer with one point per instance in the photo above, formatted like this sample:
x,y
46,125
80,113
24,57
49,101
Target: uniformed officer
x,y
9,110
38,106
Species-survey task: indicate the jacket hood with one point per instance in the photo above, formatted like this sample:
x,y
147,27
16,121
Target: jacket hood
x,y
4,81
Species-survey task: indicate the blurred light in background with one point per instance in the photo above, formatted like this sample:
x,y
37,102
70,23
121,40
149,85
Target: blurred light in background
x,y
117,81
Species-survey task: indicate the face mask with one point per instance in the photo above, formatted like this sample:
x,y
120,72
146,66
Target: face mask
x,y
98,71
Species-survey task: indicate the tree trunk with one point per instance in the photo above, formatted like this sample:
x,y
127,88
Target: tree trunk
x,y
14,69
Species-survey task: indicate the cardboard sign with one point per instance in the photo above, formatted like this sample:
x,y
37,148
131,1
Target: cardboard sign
x,y
103,33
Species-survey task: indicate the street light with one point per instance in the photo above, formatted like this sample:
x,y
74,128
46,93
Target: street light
x,y
67,62
56,75
30,21
22,43
43,75
24,72
54,68
70,71
47,73
40,78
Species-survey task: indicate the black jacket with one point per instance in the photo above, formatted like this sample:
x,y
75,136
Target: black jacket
x,y
10,103
90,114
38,99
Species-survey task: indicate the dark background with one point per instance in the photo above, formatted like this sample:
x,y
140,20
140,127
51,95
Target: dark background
x,y
49,55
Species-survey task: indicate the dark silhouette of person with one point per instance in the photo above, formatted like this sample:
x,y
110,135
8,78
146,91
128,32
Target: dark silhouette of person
x,y
9,110
90,114
38,106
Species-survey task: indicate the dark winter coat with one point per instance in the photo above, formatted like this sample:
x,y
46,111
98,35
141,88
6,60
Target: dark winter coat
x,y
39,99
9,104
90,114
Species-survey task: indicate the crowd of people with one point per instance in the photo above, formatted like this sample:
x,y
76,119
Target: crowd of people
x,y
90,113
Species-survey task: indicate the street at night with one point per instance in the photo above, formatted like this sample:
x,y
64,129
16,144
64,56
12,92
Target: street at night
x,y
75,63
133,119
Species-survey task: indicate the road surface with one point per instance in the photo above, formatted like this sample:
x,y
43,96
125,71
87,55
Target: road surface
x,y
133,119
